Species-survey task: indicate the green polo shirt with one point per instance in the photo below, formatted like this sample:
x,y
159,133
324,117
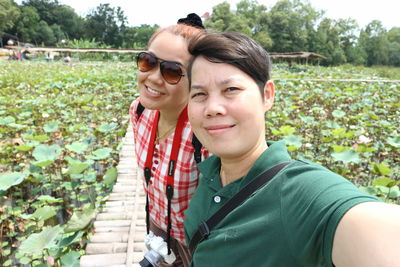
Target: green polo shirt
x,y
290,222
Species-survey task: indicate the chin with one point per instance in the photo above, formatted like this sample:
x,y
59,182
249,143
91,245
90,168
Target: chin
x,y
149,104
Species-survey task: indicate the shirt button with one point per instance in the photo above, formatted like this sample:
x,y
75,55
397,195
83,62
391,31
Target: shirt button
x,y
217,199
156,162
154,169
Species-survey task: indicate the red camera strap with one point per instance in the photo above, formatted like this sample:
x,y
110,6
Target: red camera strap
x,y
183,118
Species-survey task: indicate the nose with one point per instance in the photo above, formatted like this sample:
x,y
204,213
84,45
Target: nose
x,y
154,75
215,106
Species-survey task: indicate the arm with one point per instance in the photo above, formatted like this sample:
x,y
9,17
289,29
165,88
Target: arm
x,y
368,235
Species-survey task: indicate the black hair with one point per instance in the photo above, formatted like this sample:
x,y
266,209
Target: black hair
x,y
233,48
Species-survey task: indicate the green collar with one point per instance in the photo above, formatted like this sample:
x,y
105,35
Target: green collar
x,y
274,154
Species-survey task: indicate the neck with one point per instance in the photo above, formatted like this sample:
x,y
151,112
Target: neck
x,y
170,117
233,169
167,122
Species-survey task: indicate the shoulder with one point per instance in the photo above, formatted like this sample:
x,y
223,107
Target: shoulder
x,y
133,107
368,235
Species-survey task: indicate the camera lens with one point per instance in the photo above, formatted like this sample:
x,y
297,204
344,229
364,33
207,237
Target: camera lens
x,y
145,263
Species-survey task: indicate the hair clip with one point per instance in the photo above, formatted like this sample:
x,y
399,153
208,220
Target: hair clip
x,y
192,20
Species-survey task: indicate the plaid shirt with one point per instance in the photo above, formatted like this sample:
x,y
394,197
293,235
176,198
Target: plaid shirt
x,y
185,177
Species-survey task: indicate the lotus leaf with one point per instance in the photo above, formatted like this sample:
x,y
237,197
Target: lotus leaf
x,y
10,179
35,243
346,156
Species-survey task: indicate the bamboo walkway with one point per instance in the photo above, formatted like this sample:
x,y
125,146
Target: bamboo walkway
x,y
120,227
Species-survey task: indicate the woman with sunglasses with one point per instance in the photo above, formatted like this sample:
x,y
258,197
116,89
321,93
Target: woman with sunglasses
x,y
163,136
305,215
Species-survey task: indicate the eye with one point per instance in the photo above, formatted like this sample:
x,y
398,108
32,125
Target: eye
x,y
232,89
197,95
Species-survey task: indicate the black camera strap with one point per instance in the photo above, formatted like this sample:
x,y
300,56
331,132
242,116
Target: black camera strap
x,y
205,227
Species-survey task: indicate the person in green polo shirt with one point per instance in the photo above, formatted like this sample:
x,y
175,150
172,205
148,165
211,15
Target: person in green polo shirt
x,y
306,215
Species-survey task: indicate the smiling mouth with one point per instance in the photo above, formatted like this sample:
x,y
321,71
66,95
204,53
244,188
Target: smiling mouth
x,y
152,91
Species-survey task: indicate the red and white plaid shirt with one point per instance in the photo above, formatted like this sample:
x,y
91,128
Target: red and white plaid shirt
x,y
185,177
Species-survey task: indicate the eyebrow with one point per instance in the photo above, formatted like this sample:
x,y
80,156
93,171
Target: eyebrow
x,y
223,82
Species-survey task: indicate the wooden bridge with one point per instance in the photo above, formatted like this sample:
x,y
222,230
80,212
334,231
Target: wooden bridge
x,y
120,227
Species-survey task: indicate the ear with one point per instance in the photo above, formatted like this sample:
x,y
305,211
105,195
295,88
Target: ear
x,y
269,95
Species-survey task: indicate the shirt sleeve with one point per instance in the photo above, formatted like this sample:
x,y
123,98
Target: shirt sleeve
x,y
316,200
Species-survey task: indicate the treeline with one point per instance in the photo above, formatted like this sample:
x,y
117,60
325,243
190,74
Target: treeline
x,y
289,26
49,23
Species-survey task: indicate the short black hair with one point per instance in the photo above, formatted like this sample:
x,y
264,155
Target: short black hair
x,y
233,48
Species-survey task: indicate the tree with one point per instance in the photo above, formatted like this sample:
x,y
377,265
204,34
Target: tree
x,y
106,24
45,34
393,37
28,24
137,37
329,42
69,22
290,24
256,19
9,13
373,39
221,17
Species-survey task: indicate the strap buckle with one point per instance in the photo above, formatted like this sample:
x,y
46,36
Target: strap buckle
x,y
204,230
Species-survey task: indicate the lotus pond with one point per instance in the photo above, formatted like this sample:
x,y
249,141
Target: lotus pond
x,y
61,129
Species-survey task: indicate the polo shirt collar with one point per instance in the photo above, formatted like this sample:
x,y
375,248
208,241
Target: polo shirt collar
x,y
275,153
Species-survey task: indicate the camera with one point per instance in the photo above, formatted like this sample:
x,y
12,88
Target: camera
x,y
157,251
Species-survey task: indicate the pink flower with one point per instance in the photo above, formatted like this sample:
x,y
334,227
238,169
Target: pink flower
x,y
50,260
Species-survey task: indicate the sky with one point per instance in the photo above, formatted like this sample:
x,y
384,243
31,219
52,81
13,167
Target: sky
x,y
166,12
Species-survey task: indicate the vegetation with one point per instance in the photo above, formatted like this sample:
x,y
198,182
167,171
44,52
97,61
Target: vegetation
x,y
289,26
60,133
61,127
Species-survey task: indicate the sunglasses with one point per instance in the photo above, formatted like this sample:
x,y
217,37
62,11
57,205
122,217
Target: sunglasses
x,y
171,71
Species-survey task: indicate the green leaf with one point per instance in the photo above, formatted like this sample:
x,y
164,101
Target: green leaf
x,y
11,179
45,155
381,169
50,127
43,163
394,192
79,220
384,181
346,156
38,138
70,239
338,113
101,153
70,259
77,168
77,147
107,127
7,120
24,147
35,243
7,263
338,149
293,140
287,130
49,199
394,141
25,260
111,176
44,213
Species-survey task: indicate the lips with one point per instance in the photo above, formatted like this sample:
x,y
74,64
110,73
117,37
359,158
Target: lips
x,y
153,92
218,129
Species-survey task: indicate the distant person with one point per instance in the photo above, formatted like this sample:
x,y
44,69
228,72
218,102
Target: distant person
x,y
305,215
67,59
163,136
